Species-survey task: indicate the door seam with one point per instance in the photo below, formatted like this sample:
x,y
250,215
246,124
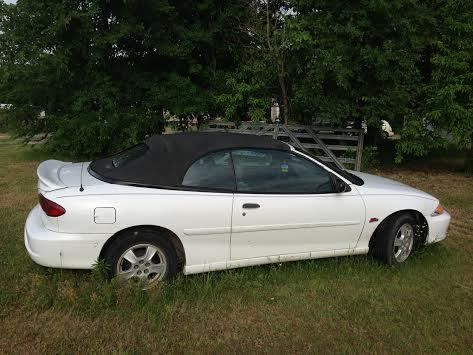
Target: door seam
x,y
231,228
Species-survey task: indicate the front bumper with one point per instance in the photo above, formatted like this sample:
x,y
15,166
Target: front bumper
x,y
61,250
438,227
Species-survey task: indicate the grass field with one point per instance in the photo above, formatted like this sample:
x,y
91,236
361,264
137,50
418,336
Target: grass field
x,y
349,304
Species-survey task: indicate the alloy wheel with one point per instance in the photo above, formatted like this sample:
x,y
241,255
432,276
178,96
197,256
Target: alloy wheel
x,y
144,262
403,242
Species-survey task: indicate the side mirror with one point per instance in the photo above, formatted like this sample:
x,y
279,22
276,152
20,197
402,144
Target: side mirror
x,y
340,186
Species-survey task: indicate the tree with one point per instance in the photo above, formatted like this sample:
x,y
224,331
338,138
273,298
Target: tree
x,y
408,62
262,74
104,70
357,60
445,115
275,42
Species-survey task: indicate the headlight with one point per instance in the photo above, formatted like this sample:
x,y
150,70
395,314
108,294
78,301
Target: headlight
x,y
438,211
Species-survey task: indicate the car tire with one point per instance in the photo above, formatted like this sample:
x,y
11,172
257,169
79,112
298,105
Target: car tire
x,y
142,255
395,239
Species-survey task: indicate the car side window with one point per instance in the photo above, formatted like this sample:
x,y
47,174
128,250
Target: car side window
x,y
273,171
213,171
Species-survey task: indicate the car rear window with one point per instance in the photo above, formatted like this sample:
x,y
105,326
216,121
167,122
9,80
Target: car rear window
x,y
128,155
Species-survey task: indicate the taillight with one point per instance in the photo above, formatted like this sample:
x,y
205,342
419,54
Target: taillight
x,y
52,209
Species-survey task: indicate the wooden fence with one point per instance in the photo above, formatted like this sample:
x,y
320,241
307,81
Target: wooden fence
x,y
340,146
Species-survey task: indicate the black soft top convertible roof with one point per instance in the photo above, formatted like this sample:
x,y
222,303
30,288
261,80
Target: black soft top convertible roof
x,y
163,160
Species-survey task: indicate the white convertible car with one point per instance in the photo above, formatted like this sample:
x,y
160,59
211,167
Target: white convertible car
x,y
198,202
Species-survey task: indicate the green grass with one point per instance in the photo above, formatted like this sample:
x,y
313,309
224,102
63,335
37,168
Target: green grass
x,y
350,304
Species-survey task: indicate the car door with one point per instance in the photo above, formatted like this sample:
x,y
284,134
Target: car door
x,y
285,205
204,211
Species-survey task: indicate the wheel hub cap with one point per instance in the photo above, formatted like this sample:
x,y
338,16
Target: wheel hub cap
x,y
145,262
403,242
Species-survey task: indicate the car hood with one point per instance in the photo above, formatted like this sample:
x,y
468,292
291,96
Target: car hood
x,y
377,185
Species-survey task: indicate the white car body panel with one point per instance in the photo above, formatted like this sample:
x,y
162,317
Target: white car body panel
x,y
323,222
56,174
211,227
202,221
64,250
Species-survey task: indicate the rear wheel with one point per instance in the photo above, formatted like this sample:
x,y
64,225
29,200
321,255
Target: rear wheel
x,y
395,239
143,256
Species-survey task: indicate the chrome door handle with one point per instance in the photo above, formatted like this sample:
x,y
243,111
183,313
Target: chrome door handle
x,y
250,205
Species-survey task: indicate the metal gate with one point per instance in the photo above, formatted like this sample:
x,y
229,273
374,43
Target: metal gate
x,y
340,146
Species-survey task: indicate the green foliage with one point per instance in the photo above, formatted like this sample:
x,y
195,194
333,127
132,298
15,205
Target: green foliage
x,y
3,121
261,74
359,60
246,96
100,270
445,114
104,71
407,62
370,158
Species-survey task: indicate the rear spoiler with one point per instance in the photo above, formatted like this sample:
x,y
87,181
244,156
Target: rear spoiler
x,y
49,175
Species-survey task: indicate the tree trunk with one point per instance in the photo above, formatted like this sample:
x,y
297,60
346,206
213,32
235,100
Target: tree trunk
x,y
469,157
284,98
183,123
281,73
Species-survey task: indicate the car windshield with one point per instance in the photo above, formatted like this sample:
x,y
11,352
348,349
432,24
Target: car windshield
x,y
343,172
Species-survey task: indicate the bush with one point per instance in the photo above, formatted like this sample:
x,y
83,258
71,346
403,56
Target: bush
x,y
3,122
370,158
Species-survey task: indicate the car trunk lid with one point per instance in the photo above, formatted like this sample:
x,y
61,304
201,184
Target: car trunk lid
x,y
56,174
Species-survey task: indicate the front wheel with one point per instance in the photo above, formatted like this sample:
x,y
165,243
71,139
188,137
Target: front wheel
x,y
403,242
394,240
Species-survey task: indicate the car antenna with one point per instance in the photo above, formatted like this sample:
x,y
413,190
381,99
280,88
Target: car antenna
x,y
81,169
